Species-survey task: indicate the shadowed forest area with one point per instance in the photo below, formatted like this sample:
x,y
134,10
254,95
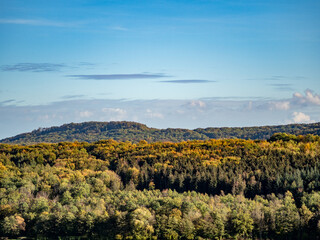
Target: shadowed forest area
x,y
200,189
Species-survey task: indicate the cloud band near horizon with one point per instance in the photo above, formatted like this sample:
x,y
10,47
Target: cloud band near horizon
x,y
188,113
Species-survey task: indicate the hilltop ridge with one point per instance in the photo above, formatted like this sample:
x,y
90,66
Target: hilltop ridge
x,y
135,132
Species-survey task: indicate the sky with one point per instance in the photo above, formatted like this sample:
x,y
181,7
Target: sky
x,y
167,64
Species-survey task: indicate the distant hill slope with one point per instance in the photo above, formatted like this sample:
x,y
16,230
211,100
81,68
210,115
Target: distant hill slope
x,y
263,132
134,132
94,131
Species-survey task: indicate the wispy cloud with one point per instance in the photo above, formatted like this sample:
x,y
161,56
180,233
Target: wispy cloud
x,y
119,76
73,96
119,28
45,67
33,67
275,78
7,101
187,81
38,22
236,98
87,64
282,86
278,78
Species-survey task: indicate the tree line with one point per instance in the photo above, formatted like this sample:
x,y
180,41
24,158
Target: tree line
x,y
134,132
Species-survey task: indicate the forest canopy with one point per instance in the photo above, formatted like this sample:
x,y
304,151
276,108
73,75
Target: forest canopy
x,y
212,189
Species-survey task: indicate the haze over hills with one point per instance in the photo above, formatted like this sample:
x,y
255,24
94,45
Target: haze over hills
x,y
135,132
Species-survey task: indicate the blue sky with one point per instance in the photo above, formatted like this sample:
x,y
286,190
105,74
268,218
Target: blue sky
x,y
203,63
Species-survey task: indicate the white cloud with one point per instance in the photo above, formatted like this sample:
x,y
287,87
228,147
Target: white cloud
x,y
151,114
310,98
85,114
297,95
296,103
44,117
114,110
281,105
179,111
197,103
299,117
37,22
115,114
119,28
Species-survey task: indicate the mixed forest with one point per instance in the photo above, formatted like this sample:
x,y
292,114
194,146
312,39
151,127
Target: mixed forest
x,y
199,189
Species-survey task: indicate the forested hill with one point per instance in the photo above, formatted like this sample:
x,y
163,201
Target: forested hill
x,y
95,131
262,133
134,132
